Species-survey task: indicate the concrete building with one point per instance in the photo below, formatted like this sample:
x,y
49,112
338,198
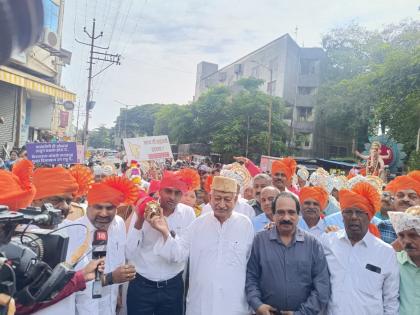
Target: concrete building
x,y
289,71
33,105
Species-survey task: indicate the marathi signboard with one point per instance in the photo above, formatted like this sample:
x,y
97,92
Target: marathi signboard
x,y
52,153
148,148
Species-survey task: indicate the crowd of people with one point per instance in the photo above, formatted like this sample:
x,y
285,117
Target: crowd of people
x,y
230,239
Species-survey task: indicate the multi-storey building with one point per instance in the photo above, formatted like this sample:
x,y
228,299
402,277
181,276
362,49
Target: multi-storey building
x,y
289,71
33,105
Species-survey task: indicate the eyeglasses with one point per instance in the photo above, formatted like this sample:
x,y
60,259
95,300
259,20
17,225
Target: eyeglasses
x,y
107,208
58,200
350,213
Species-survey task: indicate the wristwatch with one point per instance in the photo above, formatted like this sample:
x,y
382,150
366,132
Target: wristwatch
x,y
172,232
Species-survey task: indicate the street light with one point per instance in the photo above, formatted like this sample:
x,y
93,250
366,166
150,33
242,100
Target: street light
x,y
270,108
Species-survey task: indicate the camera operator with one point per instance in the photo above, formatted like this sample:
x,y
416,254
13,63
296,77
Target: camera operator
x,y
103,199
59,186
16,192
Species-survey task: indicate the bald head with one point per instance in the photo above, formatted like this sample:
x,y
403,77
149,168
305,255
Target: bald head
x,y
268,194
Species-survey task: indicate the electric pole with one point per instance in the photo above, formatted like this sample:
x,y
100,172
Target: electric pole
x,y
95,55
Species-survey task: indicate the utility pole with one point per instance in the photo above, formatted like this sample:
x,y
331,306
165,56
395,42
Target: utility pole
x,y
95,55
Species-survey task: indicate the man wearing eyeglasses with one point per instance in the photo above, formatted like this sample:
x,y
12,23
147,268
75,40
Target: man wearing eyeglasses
x,y
158,288
287,272
364,269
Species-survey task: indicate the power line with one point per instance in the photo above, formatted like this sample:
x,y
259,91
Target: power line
x,y
94,55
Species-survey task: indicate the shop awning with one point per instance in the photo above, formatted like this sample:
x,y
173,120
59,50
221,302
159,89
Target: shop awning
x,y
31,82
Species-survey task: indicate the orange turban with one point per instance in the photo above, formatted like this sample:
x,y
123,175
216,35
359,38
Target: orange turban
x,y
16,188
84,178
54,181
286,166
317,193
115,190
184,180
362,196
403,183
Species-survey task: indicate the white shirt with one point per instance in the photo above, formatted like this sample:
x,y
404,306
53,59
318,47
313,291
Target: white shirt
x,y
316,230
241,206
218,256
354,288
140,245
115,257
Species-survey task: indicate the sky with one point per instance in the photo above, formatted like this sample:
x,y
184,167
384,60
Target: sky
x,y
162,41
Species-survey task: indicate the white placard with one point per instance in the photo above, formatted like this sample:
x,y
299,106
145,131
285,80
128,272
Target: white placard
x,y
148,148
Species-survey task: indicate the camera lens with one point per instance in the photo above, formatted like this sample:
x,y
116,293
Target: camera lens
x,y
21,23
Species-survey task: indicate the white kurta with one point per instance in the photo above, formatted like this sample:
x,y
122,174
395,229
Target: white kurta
x,y
115,257
140,243
218,257
354,288
241,206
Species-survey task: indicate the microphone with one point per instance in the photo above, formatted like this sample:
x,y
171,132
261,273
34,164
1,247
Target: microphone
x,y
100,239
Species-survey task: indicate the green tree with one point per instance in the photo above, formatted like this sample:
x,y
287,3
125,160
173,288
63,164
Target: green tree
x,y
101,137
371,79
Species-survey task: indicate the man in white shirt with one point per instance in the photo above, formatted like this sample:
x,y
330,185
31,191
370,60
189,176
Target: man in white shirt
x,y
364,270
268,194
312,201
158,288
103,199
218,246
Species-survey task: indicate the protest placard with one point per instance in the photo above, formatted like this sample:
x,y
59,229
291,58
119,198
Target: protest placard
x,y
52,153
148,148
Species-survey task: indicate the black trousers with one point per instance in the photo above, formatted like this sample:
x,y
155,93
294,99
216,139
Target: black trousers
x,y
145,297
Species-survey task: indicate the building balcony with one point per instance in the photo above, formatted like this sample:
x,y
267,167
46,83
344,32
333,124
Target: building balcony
x,y
306,100
309,80
304,126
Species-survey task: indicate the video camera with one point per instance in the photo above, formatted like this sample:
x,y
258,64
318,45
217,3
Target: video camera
x,y
31,268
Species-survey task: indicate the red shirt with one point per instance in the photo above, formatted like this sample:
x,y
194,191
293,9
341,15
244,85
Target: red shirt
x,y
77,283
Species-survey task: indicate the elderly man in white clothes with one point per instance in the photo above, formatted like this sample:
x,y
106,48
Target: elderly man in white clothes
x,y
364,269
218,245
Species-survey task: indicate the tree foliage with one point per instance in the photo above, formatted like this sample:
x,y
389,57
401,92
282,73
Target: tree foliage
x,y
101,137
372,79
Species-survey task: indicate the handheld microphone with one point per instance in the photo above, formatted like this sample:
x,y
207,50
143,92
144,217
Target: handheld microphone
x,y
100,239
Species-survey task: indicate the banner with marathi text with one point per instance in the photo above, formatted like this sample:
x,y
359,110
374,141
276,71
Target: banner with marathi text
x,y
148,148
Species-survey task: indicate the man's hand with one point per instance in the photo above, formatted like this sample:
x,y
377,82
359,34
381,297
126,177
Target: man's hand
x,y
241,159
266,309
331,228
123,274
159,223
90,269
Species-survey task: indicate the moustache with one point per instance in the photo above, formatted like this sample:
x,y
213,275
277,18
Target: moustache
x,y
409,247
286,222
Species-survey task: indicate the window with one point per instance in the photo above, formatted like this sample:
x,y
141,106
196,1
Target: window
x,y
222,76
308,66
255,72
51,13
307,90
304,114
303,139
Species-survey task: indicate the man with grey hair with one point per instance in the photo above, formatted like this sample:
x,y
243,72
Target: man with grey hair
x,y
258,183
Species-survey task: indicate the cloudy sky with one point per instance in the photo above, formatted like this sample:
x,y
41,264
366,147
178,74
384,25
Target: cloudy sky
x,y
161,41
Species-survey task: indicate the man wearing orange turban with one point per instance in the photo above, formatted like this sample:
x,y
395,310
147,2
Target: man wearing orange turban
x,y
364,269
405,191
59,186
282,172
103,199
16,188
156,274
313,201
